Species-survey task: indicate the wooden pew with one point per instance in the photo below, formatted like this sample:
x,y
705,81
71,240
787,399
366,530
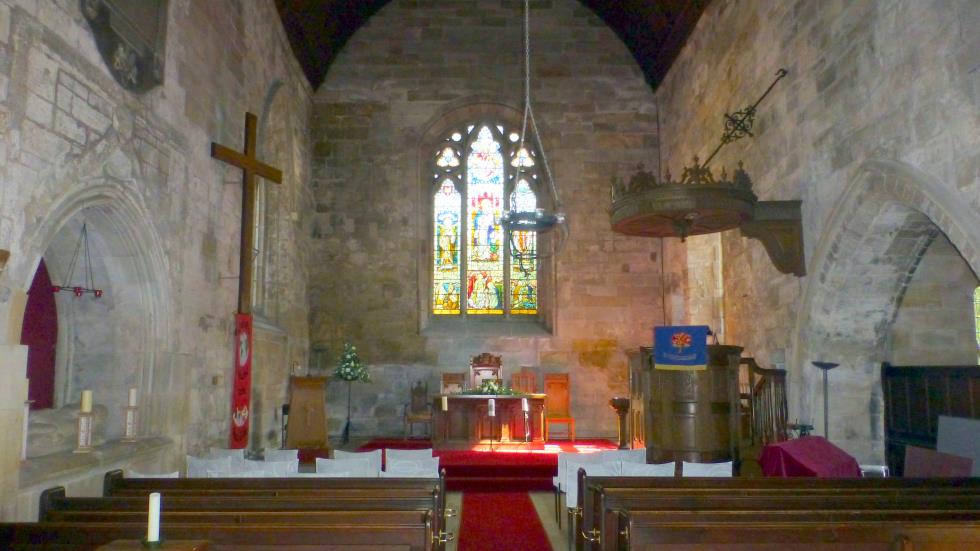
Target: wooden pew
x,y
359,505
344,489
602,498
56,536
851,535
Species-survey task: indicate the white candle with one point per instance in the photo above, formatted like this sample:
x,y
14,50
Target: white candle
x,y
153,521
445,403
132,397
86,401
491,408
524,406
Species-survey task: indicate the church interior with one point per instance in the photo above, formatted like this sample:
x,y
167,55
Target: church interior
x,y
339,226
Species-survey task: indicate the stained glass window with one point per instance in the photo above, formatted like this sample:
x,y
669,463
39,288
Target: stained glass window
x,y
480,171
976,318
523,268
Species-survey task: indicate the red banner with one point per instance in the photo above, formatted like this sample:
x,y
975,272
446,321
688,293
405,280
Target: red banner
x,y
241,387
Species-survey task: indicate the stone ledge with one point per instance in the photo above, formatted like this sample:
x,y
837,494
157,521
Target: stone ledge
x,y
62,465
469,327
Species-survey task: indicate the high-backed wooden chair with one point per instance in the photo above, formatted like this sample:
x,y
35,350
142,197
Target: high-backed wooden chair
x,y
557,404
418,410
452,382
484,366
525,381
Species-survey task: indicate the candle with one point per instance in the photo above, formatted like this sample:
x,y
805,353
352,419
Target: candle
x,y
86,401
153,521
445,403
132,397
491,408
524,406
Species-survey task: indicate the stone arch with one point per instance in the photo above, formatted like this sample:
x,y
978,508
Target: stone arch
x,y
883,223
101,190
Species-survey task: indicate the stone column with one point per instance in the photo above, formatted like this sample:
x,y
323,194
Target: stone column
x,y
13,392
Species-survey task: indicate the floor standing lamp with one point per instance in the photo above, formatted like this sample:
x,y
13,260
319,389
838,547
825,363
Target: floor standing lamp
x,y
825,367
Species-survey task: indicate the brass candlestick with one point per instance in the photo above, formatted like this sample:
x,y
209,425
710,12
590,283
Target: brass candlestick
x,y
825,367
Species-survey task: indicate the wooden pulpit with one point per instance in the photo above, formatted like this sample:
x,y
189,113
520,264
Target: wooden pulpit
x,y
307,425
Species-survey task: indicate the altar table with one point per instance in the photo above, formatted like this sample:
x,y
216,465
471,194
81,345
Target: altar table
x,y
808,456
466,418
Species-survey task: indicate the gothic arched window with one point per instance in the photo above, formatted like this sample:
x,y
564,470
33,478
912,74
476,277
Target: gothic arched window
x,y
479,170
976,317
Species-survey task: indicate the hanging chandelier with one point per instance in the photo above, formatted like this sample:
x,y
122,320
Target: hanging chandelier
x,y
81,250
538,220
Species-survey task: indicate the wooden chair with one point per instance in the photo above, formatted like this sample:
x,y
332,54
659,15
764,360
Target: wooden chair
x,y
556,404
452,382
484,366
525,381
418,410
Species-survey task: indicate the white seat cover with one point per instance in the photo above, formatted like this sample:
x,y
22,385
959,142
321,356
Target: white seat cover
x,y
613,468
401,455
707,469
638,455
373,457
237,474
281,455
563,458
642,469
423,464
135,474
349,467
199,468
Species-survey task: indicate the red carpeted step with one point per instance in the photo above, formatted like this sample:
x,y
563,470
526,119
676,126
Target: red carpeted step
x,y
501,521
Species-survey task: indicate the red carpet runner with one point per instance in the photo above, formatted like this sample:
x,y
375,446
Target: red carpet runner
x,y
511,469
500,521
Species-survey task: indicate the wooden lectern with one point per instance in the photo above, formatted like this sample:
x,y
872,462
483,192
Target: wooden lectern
x,y
307,425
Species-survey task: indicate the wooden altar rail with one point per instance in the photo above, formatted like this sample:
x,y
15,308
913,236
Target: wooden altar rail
x,y
604,498
768,409
621,513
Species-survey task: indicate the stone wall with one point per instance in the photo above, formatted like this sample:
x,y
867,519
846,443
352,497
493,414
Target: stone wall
x,y
413,64
74,145
935,323
876,131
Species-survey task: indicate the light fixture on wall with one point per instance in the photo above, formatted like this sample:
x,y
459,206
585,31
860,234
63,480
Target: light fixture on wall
x,y
81,249
539,220
699,203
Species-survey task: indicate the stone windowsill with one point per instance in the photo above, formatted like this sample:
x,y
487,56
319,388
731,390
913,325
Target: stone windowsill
x,y
478,326
58,466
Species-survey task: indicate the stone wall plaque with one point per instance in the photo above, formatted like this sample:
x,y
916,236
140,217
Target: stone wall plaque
x,y
131,37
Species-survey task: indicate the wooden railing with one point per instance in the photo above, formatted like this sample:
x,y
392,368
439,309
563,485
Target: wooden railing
x,y
765,391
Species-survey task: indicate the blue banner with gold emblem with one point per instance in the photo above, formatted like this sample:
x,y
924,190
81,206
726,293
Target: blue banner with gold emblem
x,y
680,347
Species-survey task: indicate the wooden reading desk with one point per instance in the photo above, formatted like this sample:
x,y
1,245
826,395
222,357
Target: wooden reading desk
x,y
466,418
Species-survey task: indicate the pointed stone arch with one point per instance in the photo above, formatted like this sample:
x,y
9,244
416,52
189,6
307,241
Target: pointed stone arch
x,y
876,235
101,188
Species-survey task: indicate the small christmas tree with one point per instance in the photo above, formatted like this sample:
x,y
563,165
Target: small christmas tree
x,y
349,367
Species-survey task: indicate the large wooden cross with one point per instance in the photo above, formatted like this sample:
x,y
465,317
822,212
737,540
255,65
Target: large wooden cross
x,y
251,167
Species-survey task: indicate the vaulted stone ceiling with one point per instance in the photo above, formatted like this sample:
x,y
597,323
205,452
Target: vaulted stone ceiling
x,y
653,30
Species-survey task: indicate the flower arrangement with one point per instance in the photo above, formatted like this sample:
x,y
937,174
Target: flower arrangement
x,y
491,387
349,367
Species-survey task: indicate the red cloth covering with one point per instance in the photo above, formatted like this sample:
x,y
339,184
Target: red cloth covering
x,y
808,456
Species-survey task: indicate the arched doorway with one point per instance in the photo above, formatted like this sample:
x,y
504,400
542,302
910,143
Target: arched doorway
x,y
40,335
875,242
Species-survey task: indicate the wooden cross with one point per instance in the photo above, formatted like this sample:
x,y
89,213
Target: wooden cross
x,y
251,167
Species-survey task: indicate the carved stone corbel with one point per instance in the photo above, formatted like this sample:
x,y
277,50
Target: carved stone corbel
x,y
779,226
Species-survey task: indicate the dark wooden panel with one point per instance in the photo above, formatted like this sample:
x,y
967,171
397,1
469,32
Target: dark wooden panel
x,y
915,397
